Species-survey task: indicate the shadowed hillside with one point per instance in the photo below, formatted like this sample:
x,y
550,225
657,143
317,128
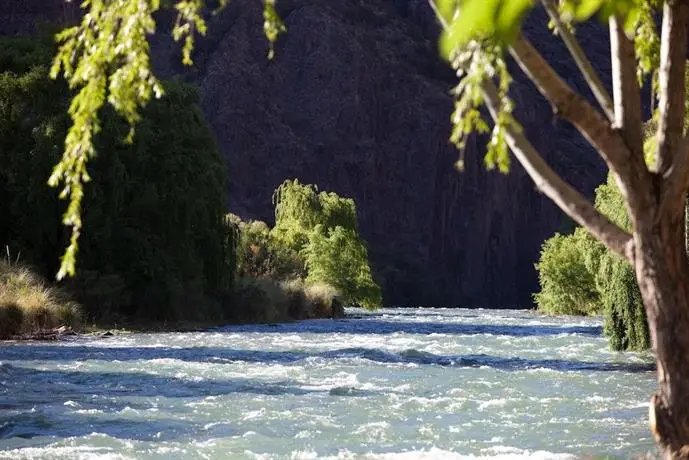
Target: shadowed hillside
x,y
357,101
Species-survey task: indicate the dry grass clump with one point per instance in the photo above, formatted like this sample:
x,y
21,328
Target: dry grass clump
x,y
262,300
314,301
28,304
297,303
324,301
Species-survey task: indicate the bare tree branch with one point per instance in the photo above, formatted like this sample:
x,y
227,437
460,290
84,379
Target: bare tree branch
x,y
582,61
567,103
554,187
632,175
671,96
625,88
573,107
438,16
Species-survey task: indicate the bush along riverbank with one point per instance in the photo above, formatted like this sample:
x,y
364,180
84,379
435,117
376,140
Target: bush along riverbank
x,y
311,264
158,250
579,276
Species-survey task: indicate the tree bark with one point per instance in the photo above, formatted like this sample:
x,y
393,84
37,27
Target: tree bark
x,y
662,270
655,200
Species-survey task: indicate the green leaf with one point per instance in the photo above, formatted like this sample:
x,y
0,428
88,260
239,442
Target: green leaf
x,y
476,21
585,9
446,9
497,20
510,15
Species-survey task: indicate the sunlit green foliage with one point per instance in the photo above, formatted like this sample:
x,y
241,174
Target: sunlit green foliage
x,y
499,21
105,59
578,275
159,247
338,257
299,208
625,317
310,263
495,20
482,62
322,228
297,211
610,202
568,287
261,255
474,40
316,239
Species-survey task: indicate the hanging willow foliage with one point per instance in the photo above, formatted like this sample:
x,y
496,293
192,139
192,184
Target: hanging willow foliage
x,y
105,59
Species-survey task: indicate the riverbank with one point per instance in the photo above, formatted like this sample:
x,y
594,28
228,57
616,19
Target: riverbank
x,y
130,326
31,308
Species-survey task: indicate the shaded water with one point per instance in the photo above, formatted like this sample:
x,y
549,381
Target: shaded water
x,y
412,383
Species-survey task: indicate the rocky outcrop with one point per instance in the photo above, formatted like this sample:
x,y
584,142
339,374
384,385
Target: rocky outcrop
x,y
357,101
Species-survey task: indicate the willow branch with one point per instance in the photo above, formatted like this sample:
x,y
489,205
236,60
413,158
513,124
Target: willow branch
x,y
633,177
626,93
438,16
582,61
573,203
671,97
572,106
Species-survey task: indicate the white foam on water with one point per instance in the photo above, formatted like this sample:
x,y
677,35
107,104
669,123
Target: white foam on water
x,y
433,453
407,384
493,403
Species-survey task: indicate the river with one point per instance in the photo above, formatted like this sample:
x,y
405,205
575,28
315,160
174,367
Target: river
x,y
394,384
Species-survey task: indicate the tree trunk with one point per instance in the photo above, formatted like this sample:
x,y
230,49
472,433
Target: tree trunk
x,y
662,270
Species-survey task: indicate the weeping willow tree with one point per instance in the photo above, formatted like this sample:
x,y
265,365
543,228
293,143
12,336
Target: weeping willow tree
x,y
567,281
625,317
322,228
578,276
106,60
157,247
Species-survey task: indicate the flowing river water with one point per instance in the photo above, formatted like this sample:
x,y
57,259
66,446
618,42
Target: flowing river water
x,y
402,383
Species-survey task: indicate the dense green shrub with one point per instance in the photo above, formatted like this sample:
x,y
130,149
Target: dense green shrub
x,y
579,276
567,285
322,228
261,255
155,241
625,316
338,257
260,300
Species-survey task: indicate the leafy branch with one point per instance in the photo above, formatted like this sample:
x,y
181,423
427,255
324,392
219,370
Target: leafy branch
x,y
106,59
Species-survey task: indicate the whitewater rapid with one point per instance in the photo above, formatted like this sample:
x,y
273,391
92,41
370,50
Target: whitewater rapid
x,y
394,384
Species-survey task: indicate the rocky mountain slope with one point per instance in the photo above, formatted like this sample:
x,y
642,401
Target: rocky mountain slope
x,y
357,101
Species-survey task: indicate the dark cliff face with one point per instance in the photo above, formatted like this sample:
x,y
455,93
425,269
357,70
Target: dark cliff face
x,y
357,102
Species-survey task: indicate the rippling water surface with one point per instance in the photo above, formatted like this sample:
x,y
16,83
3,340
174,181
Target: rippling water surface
x,y
409,384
